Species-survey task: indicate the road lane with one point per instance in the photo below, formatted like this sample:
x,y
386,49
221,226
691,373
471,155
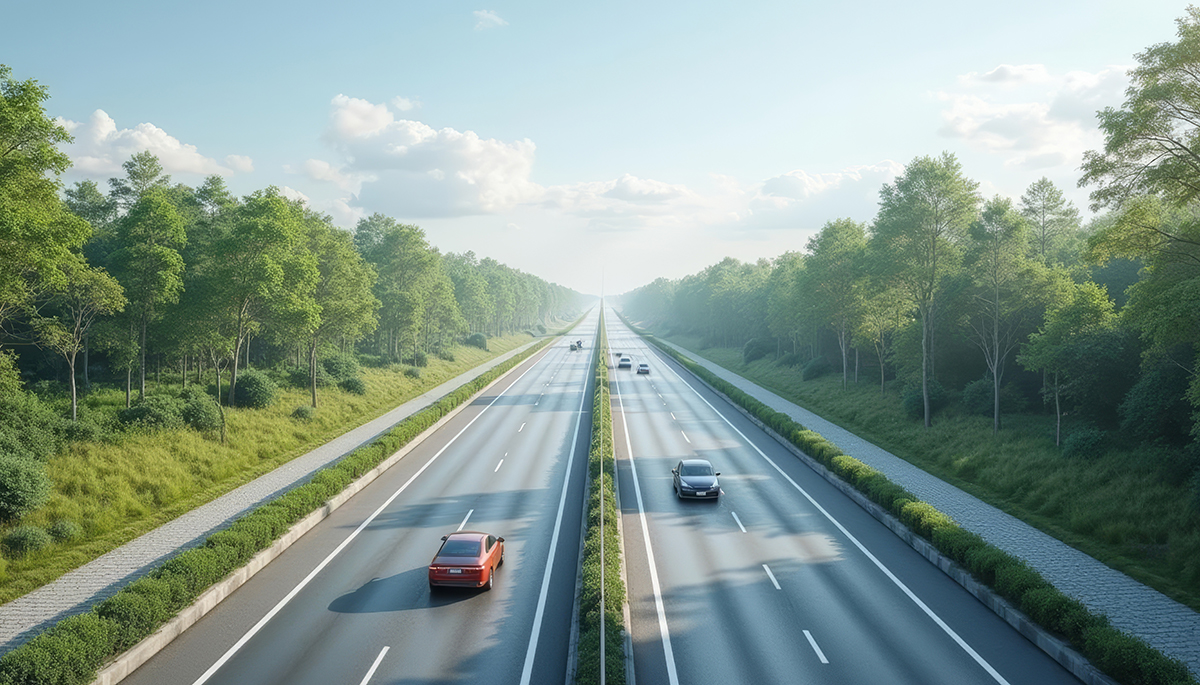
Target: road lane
x,y
836,616
374,594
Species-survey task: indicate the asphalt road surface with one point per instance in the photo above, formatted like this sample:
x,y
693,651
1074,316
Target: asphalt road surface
x,y
350,601
783,579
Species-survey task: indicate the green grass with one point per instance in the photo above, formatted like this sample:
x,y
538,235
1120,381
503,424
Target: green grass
x,y
1125,508
121,490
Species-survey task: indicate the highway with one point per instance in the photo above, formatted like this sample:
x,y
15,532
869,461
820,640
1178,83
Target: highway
x,y
350,601
783,579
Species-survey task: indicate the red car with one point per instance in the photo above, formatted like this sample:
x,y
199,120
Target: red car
x,y
467,558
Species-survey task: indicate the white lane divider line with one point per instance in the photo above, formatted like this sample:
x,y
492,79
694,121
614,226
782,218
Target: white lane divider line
x,y
531,652
378,660
345,543
521,428
735,518
685,437
861,547
673,416
772,577
664,632
498,466
464,522
811,641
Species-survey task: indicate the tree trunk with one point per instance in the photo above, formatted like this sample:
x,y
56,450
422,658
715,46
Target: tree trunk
x,y
312,370
74,397
142,365
128,385
87,379
925,368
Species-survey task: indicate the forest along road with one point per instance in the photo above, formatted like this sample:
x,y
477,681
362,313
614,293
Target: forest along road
x,y
513,464
765,585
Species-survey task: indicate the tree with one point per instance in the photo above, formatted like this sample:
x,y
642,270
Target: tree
x,y
1050,215
884,312
87,294
1002,275
1072,342
143,172
835,272
921,226
342,294
37,233
85,200
148,264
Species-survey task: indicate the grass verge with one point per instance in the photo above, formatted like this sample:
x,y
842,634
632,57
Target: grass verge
x,y
601,524
1125,658
119,490
72,651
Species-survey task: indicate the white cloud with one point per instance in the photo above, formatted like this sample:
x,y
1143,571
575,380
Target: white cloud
x,y
293,194
1030,117
100,148
404,104
487,19
240,163
355,118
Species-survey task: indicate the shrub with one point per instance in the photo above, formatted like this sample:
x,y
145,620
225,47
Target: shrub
x,y
412,372
445,355
254,389
200,411
417,358
28,426
154,412
914,403
477,340
977,398
299,378
68,653
25,539
815,368
789,359
340,366
1084,442
756,348
24,486
303,413
923,518
353,385
65,531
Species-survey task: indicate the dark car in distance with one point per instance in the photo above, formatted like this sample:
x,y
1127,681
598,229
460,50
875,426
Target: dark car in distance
x,y
696,478
468,558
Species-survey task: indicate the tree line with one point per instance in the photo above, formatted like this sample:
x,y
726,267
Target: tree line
x,y
148,270
1005,301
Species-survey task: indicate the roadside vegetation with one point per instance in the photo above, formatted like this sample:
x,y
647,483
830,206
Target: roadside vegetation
x,y
601,566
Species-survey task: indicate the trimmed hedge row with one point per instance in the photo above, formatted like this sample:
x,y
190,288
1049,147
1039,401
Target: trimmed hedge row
x,y
1123,657
602,506
72,651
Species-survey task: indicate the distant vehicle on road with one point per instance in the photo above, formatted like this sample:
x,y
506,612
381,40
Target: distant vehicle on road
x,y
468,558
579,343
625,363
696,478
644,368
574,347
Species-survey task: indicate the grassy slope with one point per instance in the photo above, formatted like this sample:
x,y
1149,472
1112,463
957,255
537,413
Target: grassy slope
x,y
1125,508
118,492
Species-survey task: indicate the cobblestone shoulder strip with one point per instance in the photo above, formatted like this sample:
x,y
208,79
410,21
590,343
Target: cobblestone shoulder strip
x,y
131,660
1057,649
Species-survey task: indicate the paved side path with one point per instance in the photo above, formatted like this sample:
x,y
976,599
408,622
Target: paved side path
x,y
1131,606
76,591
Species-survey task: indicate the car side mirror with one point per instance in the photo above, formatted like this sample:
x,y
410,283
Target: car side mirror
x,y
445,537
499,539
674,470
717,473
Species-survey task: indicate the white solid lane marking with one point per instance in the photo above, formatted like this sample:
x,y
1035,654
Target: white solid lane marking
x,y
673,416
862,548
739,521
464,521
672,676
350,538
498,466
772,577
378,660
527,669
811,641
521,428
685,437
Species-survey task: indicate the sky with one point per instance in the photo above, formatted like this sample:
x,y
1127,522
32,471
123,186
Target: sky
x,y
595,145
